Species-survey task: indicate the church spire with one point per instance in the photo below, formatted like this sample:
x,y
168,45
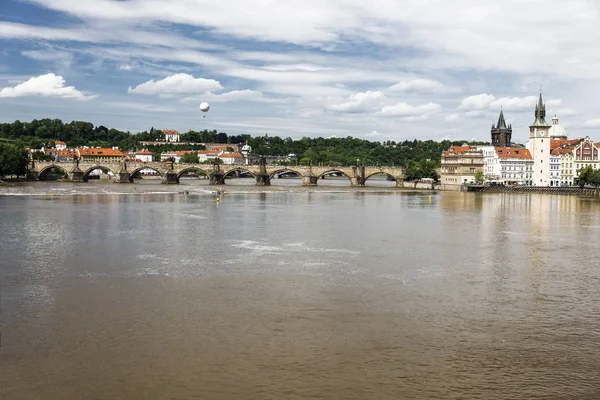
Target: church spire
x,y
501,122
540,112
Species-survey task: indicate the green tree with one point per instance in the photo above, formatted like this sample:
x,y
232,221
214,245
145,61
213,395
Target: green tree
x,y
189,158
41,156
585,176
479,177
13,160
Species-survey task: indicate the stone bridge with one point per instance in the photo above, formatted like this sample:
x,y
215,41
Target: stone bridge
x,y
124,172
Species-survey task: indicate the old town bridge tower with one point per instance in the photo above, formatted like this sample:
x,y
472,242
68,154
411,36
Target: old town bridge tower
x,y
501,133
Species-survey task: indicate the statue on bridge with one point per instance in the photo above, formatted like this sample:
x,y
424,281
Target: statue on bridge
x,y
76,160
122,165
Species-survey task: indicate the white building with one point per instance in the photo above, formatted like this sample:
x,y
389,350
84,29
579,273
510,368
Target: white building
x,y
491,166
143,155
171,135
205,155
232,158
60,145
514,165
539,146
554,167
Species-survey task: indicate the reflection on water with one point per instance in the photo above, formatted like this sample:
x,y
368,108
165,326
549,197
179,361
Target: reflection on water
x,y
300,294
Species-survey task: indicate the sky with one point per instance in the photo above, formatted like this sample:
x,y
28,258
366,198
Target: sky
x,y
379,70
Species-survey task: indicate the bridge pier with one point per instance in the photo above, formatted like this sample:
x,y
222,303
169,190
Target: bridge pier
x,y
123,177
170,178
217,178
309,180
263,180
399,182
76,175
357,181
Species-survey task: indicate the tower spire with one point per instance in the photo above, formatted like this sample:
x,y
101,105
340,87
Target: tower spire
x,y
540,112
501,122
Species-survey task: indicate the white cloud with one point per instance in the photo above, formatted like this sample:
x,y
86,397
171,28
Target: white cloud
x,y
477,102
566,112
234,95
489,101
418,85
374,134
126,67
363,102
406,110
592,123
48,85
62,59
452,117
177,84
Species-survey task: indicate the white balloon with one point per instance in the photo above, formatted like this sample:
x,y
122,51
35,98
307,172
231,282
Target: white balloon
x,y
204,107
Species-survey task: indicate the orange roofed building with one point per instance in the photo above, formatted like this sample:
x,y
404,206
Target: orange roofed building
x,y
100,154
514,165
459,166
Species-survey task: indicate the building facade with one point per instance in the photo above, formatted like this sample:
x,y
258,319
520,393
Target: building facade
x,y
554,177
459,165
566,166
171,135
100,154
232,158
514,165
60,145
490,162
539,146
585,154
143,155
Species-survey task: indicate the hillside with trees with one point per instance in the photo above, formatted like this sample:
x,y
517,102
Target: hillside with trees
x,y
331,151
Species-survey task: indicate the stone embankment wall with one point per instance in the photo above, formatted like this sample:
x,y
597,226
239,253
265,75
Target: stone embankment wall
x,y
567,191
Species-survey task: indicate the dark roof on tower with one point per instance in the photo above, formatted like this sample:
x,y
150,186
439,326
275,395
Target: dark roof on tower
x,y
501,122
540,113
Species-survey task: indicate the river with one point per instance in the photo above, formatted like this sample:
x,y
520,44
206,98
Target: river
x,y
140,292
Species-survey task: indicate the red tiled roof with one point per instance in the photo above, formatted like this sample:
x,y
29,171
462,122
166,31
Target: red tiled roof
x,y
59,142
231,155
456,150
99,152
144,152
513,152
170,132
216,151
177,153
66,153
554,143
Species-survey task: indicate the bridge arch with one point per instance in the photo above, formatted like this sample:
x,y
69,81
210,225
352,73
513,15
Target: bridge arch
x,y
238,169
278,172
43,174
387,175
136,171
333,171
190,169
87,172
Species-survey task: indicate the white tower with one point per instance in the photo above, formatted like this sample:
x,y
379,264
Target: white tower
x,y
539,146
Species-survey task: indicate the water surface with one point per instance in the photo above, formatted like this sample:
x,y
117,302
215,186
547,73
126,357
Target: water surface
x,y
117,292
